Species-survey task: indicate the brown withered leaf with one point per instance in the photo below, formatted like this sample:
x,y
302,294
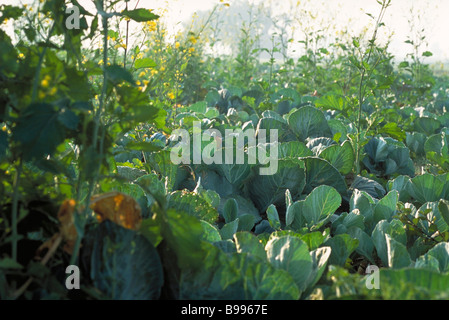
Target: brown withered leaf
x,y
118,207
67,228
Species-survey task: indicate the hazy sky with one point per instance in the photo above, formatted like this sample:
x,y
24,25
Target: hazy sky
x,y
432,15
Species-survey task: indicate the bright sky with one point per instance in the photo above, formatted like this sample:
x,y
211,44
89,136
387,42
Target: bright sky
x,y
432,15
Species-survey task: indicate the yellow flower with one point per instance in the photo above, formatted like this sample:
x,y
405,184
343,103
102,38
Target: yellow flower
x,y
177,45
142,74
45,83
41,95
138,82
171,95
192,39
4,128
191,50
53,91
21,56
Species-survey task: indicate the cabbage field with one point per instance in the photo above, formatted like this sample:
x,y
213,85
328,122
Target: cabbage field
x,y
136,164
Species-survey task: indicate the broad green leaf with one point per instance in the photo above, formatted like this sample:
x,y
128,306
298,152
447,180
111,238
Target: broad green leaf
x,y
313,239
161,163
144,63
117,74
425,188
151,229
441,253
210,233
342,246
427,262
386,207
366,245
143,146
123,264
130,173
415,141
287,93
218,277
393,130
318,145
413,284
331,102
152,186
183,234
426,125
199,107
395,230
246,242
319,172
436,149
245,206
293,150
226,245
39,131
291,254
192,204
140,15
362,201
68,118
283,131
309,122
273,217
400,185
264,282
270,189
371,187
236,276
341,157
387,156
246,222
443,206
294,217
229,229
320,204
320,258
398,256
230,210
432,212
348,220
213,180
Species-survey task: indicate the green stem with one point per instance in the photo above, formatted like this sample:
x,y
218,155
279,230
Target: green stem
x,y
95,141
15,211
362,85
126,40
